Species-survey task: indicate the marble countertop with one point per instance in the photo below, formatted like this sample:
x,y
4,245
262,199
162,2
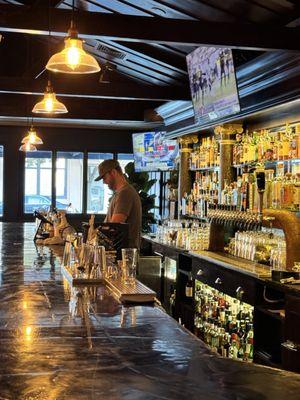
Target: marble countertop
x,y
59,342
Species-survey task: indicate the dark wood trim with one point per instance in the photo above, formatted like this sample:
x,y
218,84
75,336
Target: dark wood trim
x,y
21,19
92,89
14,105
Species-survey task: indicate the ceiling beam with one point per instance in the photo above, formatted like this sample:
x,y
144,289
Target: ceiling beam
x,y
94,25
39,3
91,88
15,105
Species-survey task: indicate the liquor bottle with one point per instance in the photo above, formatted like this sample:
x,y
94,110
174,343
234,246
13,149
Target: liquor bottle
x,y
297,132
240,354
293,147
189,287
172,301
285,146
287,191
226,345
248,354
296,193
233,350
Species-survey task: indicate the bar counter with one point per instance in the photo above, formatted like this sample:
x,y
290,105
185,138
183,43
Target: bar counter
x,y
52,347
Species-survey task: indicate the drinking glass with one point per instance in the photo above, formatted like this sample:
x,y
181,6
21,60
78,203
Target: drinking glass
x,y
129,259
111,265
99,261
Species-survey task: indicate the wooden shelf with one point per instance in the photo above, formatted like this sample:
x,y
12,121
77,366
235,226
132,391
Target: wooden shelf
x,y
268,163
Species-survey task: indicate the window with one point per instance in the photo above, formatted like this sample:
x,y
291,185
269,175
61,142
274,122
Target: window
x,y
98,194
155,189
124,159
69,180
1,181
38,179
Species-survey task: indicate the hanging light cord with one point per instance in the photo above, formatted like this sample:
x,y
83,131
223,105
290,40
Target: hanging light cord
x,y
49,37
72,16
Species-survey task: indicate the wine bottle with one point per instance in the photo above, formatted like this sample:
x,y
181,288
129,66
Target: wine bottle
x,y
189,287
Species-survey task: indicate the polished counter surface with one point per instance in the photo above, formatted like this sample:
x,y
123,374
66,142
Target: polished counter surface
x,y
59,342
235,263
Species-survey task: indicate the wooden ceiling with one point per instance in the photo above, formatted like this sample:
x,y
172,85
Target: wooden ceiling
x,y
141,46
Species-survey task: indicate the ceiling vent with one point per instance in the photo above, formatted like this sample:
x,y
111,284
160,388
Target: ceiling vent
x,y
110,52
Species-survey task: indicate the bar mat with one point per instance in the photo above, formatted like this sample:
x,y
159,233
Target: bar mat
x,y
138,293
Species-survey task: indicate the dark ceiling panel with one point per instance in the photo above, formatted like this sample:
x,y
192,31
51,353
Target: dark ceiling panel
x,y
149,30
135,52
141,64
78,108
90,87
160,54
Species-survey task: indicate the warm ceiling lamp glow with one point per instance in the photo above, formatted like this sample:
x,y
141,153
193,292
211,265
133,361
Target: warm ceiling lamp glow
x,y
27,147
73,59
49,104
32,137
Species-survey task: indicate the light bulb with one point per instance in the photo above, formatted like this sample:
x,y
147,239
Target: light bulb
x,y
49,104
32,137
73,55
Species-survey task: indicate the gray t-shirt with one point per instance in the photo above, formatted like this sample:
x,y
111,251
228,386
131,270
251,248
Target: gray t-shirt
x,y
127,201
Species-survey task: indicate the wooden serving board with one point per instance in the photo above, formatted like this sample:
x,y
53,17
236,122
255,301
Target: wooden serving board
x,y
67,273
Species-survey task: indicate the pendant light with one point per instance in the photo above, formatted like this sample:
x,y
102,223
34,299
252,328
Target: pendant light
x,y
49,104
27,147
32,137
73,59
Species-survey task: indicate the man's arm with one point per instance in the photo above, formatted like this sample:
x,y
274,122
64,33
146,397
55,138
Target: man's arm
x,y
118,218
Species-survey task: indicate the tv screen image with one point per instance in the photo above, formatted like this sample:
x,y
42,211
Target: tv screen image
x,y
213,83
153,152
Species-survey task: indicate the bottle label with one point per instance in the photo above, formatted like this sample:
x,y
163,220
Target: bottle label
x,y
189,291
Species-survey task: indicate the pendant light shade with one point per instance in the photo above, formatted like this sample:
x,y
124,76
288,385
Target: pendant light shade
x,y
49,104
32,137
27,147
73,59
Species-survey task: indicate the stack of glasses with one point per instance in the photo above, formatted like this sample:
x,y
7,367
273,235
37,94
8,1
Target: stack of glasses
x,y
192,236
90,261
262,247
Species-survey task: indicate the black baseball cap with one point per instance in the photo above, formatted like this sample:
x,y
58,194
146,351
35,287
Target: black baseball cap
x,y
106,166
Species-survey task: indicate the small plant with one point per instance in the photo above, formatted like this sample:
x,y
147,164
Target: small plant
x,y
142,184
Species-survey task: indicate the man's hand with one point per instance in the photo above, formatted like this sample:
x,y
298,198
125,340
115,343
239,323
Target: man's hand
x,y
118,218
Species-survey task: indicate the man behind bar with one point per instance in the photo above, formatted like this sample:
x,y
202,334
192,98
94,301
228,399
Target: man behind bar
x,y
125,205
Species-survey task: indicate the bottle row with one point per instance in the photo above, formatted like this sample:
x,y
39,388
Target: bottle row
x,y
281,192
223,323
267,146
205,154
257,146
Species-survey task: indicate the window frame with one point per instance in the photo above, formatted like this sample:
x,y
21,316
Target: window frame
x,y
54,157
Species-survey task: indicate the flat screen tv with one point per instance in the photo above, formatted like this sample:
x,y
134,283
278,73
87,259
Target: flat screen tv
x,y
213,83
153,152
